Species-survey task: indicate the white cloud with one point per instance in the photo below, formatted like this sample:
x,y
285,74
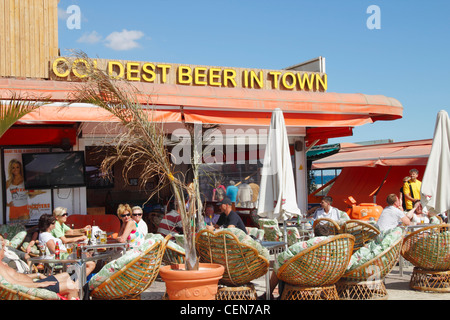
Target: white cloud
x,y
124,40
91,38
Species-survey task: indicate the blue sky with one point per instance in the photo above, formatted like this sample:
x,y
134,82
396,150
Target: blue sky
x,y
407,58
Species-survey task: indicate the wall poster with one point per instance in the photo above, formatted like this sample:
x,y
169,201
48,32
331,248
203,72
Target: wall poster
x,y
23,205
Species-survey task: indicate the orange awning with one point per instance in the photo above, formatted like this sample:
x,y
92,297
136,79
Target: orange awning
x,y
226,106
90,113
389,154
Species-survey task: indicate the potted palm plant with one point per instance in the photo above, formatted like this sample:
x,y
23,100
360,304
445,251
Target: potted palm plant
x,y
142,143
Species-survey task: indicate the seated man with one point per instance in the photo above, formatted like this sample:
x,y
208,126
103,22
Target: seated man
x,y
393,214
171,223
228,218
211,217
326,210
60,283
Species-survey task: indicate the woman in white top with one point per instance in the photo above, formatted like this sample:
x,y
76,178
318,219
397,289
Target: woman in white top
x,y
17,195
46,225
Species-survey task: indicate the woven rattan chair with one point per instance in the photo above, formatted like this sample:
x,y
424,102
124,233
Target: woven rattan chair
x,y
10,294
242,263
332,226
362,231
312,273
173,256
367,281
428,250
129,282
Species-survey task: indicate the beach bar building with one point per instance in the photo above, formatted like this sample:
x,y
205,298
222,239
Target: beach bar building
x,y
238,101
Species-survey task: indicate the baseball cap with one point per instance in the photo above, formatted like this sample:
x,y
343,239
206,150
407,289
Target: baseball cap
x,y
225,201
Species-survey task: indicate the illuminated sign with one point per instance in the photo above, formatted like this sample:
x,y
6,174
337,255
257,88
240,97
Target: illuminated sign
x,y
69,69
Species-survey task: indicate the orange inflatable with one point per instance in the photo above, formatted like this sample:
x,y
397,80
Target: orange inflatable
x,y
362,211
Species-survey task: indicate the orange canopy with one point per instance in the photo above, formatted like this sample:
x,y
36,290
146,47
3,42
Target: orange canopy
x,y
408,153
222,105
369,184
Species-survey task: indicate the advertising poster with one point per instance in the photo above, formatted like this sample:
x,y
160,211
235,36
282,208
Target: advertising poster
x,y
21,204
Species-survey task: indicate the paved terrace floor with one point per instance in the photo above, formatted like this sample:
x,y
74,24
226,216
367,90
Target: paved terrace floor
x,y
397,287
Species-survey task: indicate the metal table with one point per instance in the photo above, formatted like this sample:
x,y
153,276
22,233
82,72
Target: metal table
x,y
274,248
113,251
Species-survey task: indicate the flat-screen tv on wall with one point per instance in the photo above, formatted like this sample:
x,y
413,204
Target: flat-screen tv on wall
x,y
54,170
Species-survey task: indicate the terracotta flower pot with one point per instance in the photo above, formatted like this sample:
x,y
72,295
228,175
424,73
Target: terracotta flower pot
x,y
182,284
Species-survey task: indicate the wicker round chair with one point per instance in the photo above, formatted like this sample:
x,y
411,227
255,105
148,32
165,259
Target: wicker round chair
x,y
312,273
173,256
428,250
367,281
242,263
332,227
362,231
10,294
129,282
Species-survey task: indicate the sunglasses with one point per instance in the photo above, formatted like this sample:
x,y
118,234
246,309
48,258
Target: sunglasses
x,y
124,215
64,214
137,214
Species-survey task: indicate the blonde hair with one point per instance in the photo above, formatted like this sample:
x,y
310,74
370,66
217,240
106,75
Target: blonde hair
x,y
59,211
137,208
122,208
10,168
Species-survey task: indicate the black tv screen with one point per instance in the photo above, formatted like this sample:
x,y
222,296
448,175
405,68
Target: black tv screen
x,y
53,170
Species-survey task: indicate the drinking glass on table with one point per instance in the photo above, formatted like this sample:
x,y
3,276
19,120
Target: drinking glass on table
x,y
42,248
69,248
103,238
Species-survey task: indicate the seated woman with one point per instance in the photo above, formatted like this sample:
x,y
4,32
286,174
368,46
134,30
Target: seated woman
x,y
46,225
60,283
63,232
129,231
419,217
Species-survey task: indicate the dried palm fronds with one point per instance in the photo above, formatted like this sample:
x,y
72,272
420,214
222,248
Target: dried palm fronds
x,y
140,144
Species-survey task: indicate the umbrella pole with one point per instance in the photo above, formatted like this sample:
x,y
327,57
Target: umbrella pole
x,y
285,234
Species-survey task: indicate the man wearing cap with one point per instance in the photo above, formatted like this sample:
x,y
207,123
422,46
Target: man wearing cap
x,y
228,218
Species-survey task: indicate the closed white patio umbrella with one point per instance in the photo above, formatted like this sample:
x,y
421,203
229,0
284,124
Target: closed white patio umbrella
x,y
277,196
435,190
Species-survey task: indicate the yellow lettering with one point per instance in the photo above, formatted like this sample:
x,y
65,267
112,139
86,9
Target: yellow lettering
x,y
214,77
259,80
133,71
58,62
87,68
113,66
276,75
286,83
148,72
229,75
323,82
245,77
199,77
301,81
164,69
184,75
